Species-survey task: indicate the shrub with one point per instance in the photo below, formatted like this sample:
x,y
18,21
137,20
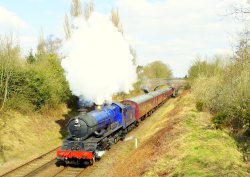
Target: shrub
x,y
218,120
199,106
225,93
30,85
187,86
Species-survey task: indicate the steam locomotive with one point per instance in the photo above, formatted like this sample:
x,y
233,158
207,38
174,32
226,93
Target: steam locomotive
x,y
92,133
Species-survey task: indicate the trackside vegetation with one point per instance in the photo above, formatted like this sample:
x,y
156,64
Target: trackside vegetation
x,y
224,91
198,148
32,84
33,96
222,87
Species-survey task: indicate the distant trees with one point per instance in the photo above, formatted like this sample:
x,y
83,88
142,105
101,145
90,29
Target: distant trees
x,y
51,45
157,69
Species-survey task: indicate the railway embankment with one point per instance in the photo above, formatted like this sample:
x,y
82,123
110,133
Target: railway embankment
x,y
24,137
178,140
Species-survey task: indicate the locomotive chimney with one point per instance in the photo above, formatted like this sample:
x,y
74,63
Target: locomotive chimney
x,y
82,111
98,107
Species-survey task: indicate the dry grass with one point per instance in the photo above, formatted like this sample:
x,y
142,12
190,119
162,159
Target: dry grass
x,y
23,137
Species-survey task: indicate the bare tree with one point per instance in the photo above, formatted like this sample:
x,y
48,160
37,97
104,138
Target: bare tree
x,y
67,29
50,45
75,9
241,11
134,54
88,9
41,43
115,18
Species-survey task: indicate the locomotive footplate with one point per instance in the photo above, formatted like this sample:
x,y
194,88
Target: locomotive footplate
x,y
64,154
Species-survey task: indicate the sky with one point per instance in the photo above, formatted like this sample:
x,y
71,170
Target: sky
x,y
173,31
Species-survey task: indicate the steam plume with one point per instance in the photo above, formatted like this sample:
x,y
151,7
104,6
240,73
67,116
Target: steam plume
x,y
98,62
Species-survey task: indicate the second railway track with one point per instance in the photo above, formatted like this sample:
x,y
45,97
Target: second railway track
x,y
34,166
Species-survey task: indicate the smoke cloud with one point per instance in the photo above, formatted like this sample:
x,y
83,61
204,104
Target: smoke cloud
x,y
98,62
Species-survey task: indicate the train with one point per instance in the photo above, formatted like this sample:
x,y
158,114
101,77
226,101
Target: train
x,y
91,134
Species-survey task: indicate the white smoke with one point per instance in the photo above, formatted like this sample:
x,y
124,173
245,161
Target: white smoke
x,y
98,62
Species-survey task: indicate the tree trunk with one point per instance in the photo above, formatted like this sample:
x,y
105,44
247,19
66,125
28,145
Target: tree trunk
x,y
5,91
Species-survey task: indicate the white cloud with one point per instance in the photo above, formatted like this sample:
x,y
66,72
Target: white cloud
x,y
11,20
175,31
13,25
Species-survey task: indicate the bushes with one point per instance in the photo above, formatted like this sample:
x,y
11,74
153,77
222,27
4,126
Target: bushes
x,y
199,106
55,86
46,84
218,120
224,91
32,85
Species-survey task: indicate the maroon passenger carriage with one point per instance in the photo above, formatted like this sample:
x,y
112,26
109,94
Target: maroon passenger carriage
x,y
146,104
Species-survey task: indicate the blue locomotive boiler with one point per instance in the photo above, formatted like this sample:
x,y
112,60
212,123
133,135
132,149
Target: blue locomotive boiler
x,y
97,122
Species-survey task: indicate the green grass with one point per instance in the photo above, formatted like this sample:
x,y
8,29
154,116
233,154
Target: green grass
x,y
200,150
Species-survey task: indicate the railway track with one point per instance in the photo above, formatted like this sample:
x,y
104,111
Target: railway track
x,y
70,172
32,167
44,166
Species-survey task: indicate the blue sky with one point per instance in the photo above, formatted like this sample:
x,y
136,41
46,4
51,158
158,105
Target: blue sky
x,y
174,31
47,15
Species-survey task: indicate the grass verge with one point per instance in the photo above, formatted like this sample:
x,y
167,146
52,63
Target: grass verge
x,y
24,137
198,149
